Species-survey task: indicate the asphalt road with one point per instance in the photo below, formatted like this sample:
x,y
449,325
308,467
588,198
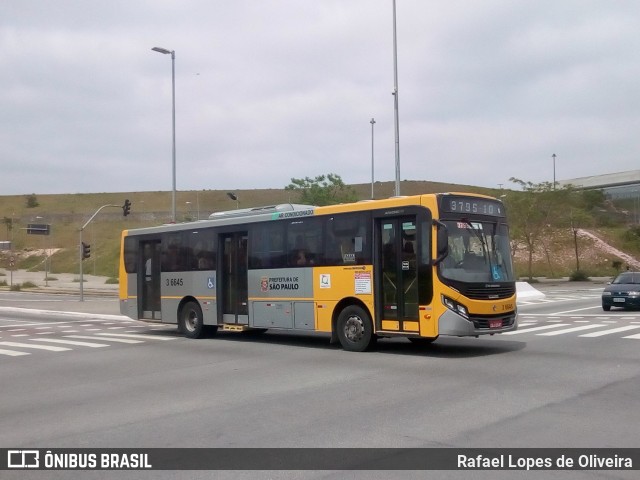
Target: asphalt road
x,y
569,377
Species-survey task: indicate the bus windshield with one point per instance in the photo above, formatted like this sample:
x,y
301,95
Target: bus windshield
x,y
479,251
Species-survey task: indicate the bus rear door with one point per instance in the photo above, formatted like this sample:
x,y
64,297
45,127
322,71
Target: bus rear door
x,y
233,281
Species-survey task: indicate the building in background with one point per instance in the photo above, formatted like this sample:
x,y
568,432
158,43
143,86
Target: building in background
x,y
615,186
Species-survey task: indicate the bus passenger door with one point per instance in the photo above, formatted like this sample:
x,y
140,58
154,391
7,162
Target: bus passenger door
x,y
233,282
149,281
397,280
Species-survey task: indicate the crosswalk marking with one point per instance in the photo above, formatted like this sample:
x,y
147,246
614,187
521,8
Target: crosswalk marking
x,y
636,336
570,330
37,347
610,331
535,329
119,340
13,353
134,335
71,342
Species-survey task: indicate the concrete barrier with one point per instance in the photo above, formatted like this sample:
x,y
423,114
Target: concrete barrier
x,y
525,291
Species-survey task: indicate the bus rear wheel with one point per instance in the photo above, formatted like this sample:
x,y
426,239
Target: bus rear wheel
x,y
191,321
354,329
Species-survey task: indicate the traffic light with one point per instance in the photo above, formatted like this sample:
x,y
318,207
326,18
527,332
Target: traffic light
x,y
126,208
86,250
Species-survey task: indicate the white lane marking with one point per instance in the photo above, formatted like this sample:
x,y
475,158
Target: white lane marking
x,y
70,342
13,353
571,330
133,335
38,347
608,332
535,329
576,310
120,340
636,336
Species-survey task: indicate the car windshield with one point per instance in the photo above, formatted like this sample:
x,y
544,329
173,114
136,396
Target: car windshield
x,y
478,252
628,277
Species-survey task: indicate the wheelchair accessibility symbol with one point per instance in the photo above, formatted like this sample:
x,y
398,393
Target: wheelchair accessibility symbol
x,y
211,282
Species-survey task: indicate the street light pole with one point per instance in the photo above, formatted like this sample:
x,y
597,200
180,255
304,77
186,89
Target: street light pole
x,y
554,171
395,101
81,257
173,124
372,122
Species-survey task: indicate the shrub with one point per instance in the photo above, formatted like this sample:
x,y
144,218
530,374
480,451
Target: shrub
x,y
578,276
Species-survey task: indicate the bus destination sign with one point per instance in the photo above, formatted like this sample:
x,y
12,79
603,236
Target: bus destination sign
x,y
472,205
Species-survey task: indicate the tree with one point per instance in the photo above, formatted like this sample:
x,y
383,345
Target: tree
x,y
533,211
540,209
323,190
32,201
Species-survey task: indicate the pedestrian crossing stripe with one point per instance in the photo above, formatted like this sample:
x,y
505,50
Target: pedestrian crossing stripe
x,y
13,353
119,340
37,347
609,332
535,329
571,330
136,335
71,342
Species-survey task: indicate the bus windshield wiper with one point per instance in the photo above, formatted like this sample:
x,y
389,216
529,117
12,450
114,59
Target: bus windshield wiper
x,y
485,249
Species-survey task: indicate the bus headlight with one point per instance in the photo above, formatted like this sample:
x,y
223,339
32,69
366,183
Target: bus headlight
x,y
455,306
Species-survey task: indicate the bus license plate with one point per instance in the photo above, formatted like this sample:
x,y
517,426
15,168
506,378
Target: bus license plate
x,y
495,323
618,300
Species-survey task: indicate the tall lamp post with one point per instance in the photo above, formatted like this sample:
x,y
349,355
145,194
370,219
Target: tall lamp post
x,y
372,122
554,170
173,123
233,196
395,102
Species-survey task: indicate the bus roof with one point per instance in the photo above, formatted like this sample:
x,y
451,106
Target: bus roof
x,y
289,210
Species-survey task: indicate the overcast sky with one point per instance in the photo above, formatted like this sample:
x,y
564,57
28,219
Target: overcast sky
x,y
270,90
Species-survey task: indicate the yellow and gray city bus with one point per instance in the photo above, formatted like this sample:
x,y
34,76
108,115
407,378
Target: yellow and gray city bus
x,y
417,267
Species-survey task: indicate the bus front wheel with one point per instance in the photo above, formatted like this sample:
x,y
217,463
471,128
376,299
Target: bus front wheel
x,y
191,321
354,329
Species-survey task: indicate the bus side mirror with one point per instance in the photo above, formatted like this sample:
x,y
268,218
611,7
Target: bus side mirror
x,y
442,241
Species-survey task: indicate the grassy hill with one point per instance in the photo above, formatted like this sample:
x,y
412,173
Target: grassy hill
x,y
66,213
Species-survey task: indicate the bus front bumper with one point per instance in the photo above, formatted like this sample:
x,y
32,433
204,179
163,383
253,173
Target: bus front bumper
x,y
452,324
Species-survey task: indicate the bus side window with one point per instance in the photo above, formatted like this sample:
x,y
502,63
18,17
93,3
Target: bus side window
x,y
266,248
202,253
348,239
304,242
130,254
